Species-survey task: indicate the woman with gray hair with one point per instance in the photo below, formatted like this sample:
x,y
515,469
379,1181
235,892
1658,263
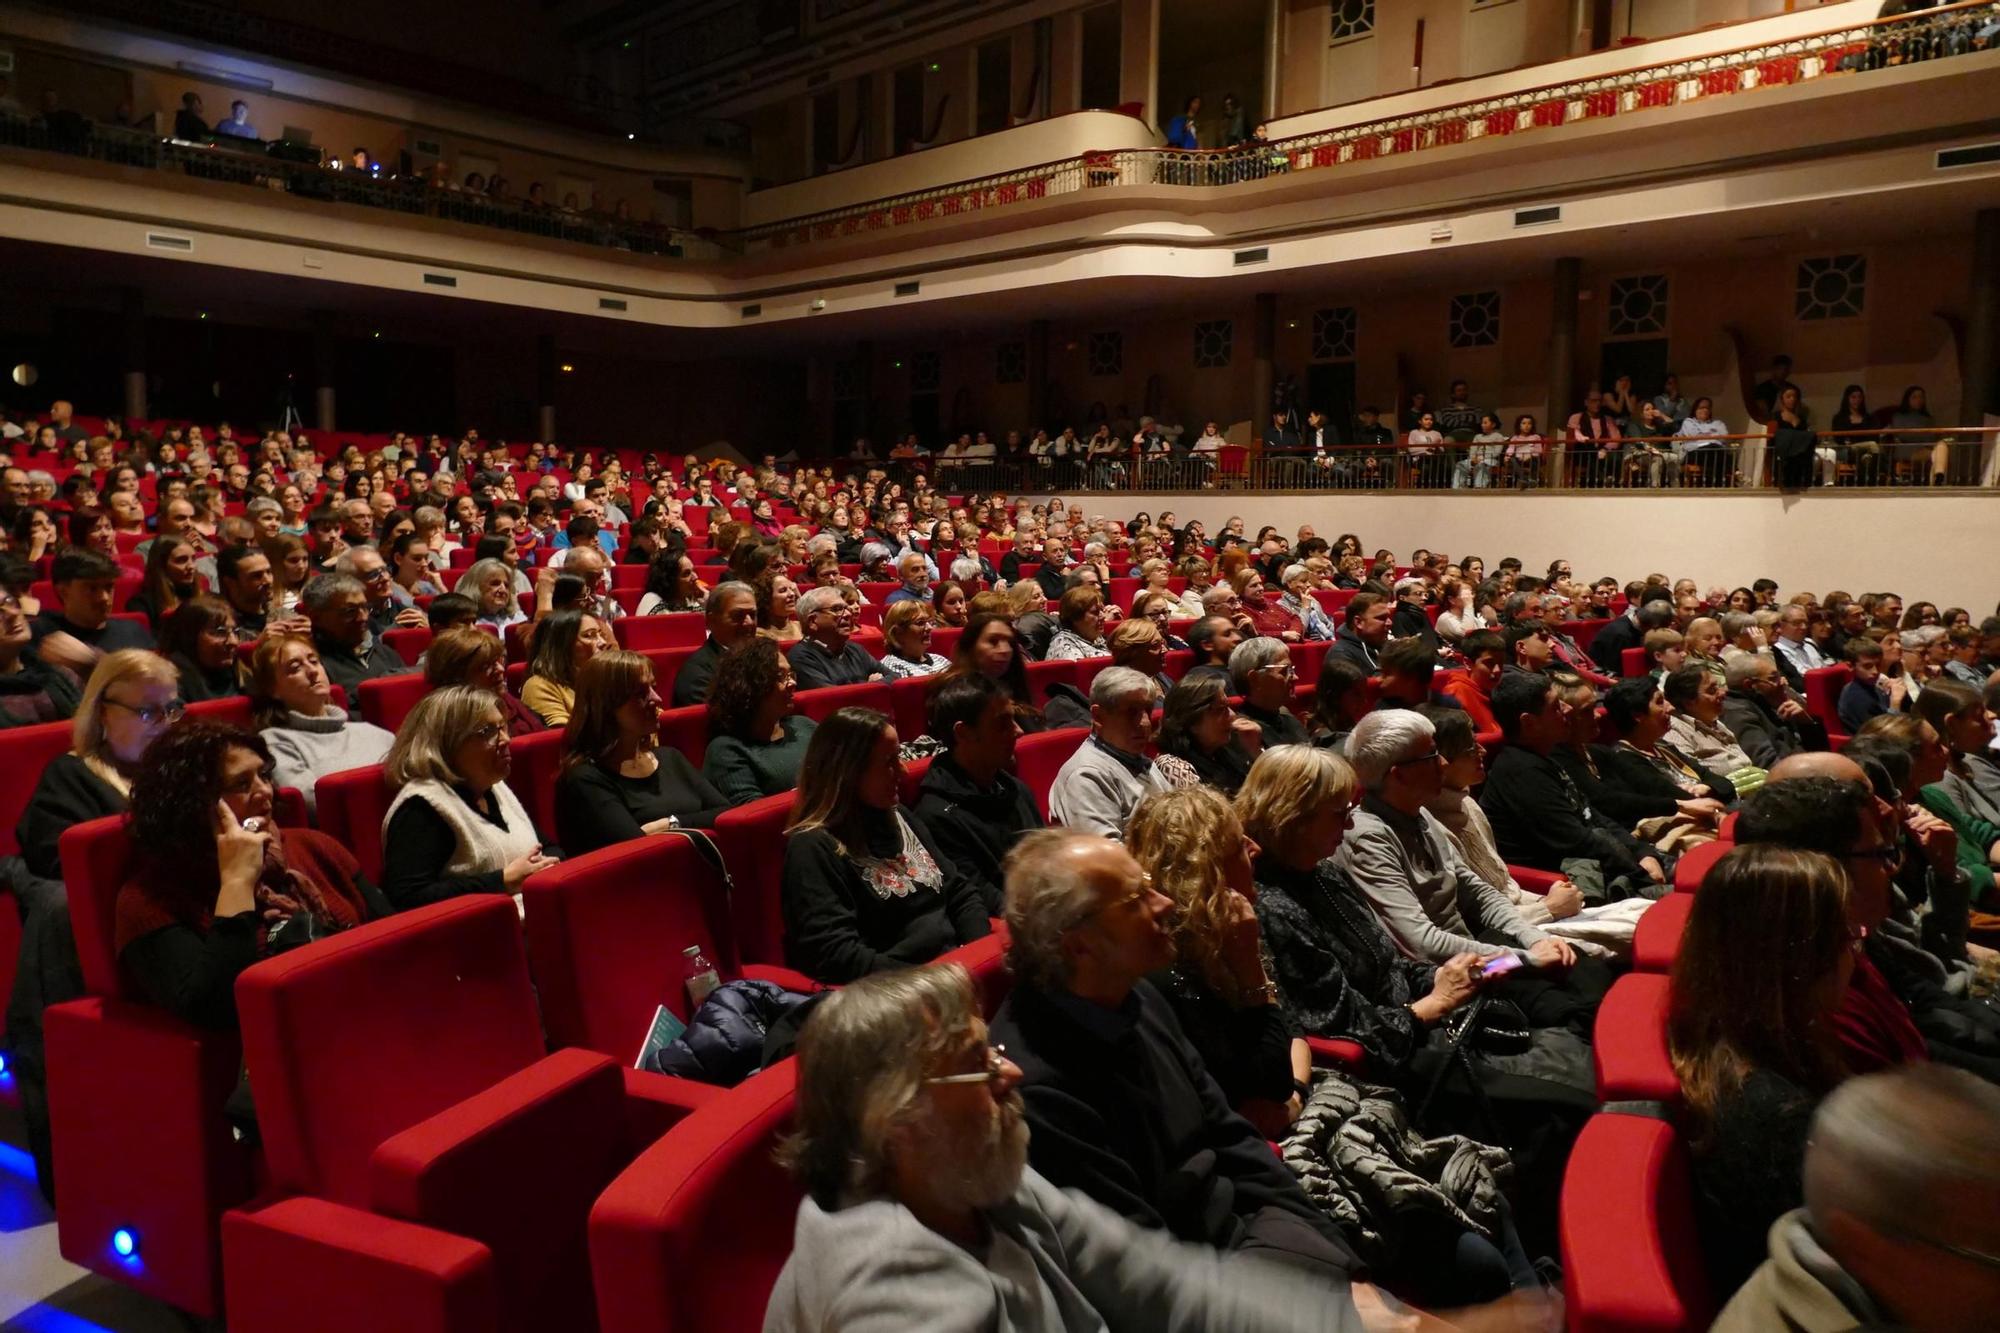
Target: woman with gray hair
x,y
1260,670
454,826
1298,600
490,584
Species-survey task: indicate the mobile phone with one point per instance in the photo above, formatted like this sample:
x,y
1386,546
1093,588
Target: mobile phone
x,y
1500,965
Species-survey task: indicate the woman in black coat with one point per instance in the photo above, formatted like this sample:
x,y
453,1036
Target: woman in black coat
x,y
617,782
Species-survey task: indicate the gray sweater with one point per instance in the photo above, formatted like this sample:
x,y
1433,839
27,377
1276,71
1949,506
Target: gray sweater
x,y
1099,787
1055,1262
1429,900
306,749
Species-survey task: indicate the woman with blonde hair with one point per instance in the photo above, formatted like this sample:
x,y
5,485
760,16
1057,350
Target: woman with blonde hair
x,y
454,826
1445,1231
468,656
131,697
618,782
906,629
866,887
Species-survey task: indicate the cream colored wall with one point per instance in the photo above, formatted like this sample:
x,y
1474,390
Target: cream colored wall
x,y
1854,540
1525,44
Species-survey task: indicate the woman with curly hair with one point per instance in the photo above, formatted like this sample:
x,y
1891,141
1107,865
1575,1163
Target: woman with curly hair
x,y
1446,1230
778,608
756,743
215,884
671,583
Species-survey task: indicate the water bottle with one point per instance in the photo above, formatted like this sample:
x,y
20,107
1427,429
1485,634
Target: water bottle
x,y
699,975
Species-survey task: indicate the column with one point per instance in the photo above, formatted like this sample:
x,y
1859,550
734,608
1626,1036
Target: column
x,y
1139,59
1263,366
548,371
1562,360
1038,376
132,313
324,361
1982,324
1274,56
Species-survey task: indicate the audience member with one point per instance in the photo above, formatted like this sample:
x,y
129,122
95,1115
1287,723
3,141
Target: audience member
x,y
215,884
1098,786
454,826
865,886
471,657
1261,672
618,782
731,613
756,741
1767,722
828,655
906,633
1202,740
562,645
1366,629
1754,1046
82,629
31,690
975,808
1699,732
199,638
337,607
307,734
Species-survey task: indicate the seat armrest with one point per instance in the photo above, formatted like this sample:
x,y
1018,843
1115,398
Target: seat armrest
x,y
782,976
655,1103
1533,880
1337,1053
305,1265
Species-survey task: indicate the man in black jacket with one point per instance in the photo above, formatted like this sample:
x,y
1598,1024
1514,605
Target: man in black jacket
x,y
1539,817
1360,640
337,606
1769,724
1629,631
731,612
1119,1103
828,655
1055,568
975,807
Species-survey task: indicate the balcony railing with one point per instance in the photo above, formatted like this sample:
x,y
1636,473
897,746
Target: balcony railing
x,y
1958,457
274,167
1879,44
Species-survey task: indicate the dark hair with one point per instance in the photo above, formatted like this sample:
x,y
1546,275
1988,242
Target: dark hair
x,y
1360,602
1482,641
663,573
1518,694
1884,758
743,680
188,622
171,818
82,562
1015,678
960,697
491,547
1452,728
229,557
1814,814
552,650
1682,686
1409,657
1337,676
828,779
1628,701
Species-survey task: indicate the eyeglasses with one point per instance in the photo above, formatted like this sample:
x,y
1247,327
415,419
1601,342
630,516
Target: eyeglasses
x,y
1432,756
996,1062
491,732
151,714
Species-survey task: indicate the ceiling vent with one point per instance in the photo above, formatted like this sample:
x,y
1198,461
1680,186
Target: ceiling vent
x,y
1260,255
1972,155
907,288
160,240
1537,217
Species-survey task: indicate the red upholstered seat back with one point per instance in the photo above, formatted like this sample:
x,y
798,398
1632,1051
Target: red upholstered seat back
x,y
821,704
1631,1260
387,700
356,1038
752,838
1631,662
1307,658
231,712
1038,758
1697,862
1823,687
537,763
686,730
24,753
680,629
606,931
907,700
352,805
691,1236
1041,675
1630,1042
96,859
1087,669
944,639
410,644
1658,937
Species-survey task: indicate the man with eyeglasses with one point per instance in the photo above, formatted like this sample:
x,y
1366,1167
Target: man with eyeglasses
x,y
337,606
81,629
1898,1228
1261,671
1118,1104
1100,785
922,1212
828,655
1434,905
366,566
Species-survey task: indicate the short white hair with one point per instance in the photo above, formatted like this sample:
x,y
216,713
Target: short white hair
x,y
965,568
1291,572
1116,684
818,600
1254,655
1384,739
903,564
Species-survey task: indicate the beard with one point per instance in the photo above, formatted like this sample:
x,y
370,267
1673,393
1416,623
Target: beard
x,y
977,1166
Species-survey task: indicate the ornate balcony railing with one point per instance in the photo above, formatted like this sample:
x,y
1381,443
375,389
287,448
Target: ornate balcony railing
x,y
1879,44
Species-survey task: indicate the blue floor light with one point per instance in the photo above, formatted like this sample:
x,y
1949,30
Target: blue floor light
x,y
125,1243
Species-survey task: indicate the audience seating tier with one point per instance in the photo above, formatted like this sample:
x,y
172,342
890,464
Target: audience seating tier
x,y
1038,758
1631,1259
752,838
1658,937
1630,1042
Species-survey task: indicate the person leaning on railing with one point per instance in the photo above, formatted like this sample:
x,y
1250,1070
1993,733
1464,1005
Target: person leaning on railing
x,y
1522,460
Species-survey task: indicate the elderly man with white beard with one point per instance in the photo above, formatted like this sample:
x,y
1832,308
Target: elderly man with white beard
x,y
921,1212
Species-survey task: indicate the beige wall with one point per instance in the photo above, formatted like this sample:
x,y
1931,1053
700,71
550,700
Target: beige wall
x,y
1852,540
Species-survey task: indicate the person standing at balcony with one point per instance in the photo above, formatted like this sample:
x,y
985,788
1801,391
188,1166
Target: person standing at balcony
x,y
1772,387
1235,122
238,125
1591,434
1181,130
188,123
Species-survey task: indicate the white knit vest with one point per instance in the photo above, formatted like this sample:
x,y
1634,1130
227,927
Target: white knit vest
x,y
481,847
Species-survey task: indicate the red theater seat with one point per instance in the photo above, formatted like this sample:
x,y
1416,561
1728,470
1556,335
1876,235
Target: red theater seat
x,y
686,629
1042,675
686,730
821,704
907,700
1631,1259
752,839
691,1236
1630,1042
1632,662
387,700
1823,687
1038,758
1658,937
454,1122
230,712
351,806
1697,862
135,1098
410,644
